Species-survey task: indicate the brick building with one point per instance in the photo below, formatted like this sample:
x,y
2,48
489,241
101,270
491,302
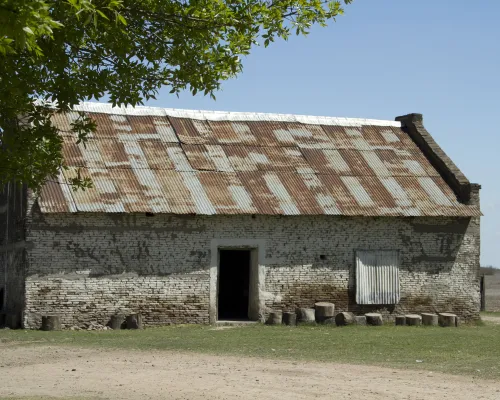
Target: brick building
x,y
201,216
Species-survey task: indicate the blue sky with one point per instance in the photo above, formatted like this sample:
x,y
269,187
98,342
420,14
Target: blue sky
x,y
385,58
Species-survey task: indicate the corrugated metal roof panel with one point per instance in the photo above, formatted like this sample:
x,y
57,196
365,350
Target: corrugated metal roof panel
x,y
229,132
271,133
309,136
226,193
326,161
155,153
356,162
342,197
174,161
176,193
198,157
246,158
188,133
375,136
89,200
395,163
339,137
263,199
253,158
72,154
317,194
358,191
55,196
377,192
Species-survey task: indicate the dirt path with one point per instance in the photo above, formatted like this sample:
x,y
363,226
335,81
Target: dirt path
x,y
66,372
493,319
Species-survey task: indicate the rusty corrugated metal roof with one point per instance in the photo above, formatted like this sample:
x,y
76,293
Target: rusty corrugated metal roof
x,y
196,162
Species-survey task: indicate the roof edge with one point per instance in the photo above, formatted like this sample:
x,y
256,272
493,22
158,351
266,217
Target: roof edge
x,y
414,126
108,108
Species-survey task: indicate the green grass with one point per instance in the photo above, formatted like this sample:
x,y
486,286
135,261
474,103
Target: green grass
x,y
470,350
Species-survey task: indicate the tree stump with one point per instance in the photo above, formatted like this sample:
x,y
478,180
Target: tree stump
x,y
344,318
116,321
290,318
447,319
400,320
324,311
305,314
413,320
275,318
51,323
134,321
360,320
429,319
374,319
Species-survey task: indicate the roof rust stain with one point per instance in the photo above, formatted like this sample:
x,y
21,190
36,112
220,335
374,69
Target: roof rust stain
x,y
153,161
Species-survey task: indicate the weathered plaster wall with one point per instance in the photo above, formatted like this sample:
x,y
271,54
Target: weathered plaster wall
x,y
87,267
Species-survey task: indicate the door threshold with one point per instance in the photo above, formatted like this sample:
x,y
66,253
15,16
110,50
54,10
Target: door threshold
x,y
235,322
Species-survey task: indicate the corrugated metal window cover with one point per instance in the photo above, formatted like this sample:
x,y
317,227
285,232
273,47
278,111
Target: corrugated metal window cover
x,y
377,277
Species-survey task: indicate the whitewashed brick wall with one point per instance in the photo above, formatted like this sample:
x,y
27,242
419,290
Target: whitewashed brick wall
x,y
87,267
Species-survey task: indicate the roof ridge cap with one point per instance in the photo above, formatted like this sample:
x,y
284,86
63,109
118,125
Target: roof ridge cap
x,y
232,116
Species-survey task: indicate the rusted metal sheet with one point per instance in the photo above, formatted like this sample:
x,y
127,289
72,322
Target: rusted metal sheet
x,y
176,192
339,136
233,132
154,151
246,158
226,193
189,133
199,157
309,136
263,198
326,161
208,158
356,162
253,158
343,198
192,162
377,137
377,277
55,196
272,133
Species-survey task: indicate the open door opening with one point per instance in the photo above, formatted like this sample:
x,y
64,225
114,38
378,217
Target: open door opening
x,y
234,284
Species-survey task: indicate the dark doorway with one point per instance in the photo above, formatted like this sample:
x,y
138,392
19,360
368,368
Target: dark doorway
x,y
234,282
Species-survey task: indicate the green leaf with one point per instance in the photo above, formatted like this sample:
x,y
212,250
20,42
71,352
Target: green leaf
x,y
28,30
121,19
102,14
72,50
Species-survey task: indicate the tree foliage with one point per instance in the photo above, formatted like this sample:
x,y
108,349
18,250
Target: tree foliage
x,y
57,53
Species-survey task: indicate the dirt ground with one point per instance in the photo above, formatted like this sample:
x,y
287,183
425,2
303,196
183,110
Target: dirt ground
x,y
38,372
491,319
492,283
